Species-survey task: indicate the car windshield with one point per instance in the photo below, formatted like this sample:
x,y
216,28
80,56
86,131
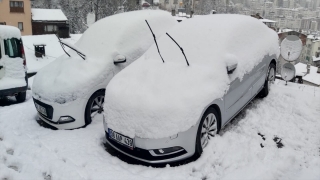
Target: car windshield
x,y
12,47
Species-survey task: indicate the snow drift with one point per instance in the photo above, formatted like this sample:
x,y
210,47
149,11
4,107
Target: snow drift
x,y
69,78
151,99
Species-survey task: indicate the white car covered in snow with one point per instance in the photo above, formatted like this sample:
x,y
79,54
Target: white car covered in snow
x,y
69,92
13,71
163,112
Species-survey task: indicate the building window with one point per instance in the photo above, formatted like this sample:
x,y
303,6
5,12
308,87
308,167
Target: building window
x,y
2,23
50,28
16,6
307,58
20,26
166,1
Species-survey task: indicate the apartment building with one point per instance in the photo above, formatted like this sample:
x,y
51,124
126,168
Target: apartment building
x,y
16,13
311,51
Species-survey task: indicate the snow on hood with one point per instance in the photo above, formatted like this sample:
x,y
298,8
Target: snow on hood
x,y
151,99
7,32
67,79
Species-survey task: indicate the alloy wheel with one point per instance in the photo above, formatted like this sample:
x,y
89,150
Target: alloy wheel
x,y
97,106
209,129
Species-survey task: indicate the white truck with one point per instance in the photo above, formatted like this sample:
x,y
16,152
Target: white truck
x,y
13,71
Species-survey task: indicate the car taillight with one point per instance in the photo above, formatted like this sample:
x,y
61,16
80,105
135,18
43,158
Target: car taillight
x,y
23,55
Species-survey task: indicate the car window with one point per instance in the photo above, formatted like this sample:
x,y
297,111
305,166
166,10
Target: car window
x,y
0,52
12,47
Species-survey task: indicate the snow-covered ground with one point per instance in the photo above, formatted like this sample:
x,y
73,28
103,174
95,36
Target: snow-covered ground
x,y
53,49
289,118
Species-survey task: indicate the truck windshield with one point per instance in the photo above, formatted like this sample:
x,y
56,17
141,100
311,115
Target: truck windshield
x,y
12,47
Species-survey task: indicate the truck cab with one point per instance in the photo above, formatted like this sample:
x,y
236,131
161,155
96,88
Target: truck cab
x,y
13,71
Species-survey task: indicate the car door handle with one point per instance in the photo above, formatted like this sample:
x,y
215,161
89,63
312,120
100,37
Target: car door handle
x,y
1,67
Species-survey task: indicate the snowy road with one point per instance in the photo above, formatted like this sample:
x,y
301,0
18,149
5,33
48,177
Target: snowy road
x,y
288,117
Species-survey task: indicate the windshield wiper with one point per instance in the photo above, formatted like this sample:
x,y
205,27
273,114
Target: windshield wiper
x,y
155,40
180,48
83,56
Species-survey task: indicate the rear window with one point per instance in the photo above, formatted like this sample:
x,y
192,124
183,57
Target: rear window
x,y
12,47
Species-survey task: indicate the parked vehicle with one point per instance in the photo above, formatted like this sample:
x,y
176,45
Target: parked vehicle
x,y
213,67
13,74
69,92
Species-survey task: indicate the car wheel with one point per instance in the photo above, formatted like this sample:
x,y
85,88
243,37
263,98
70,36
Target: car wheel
x,y
271,74
207,129
21,97
94,106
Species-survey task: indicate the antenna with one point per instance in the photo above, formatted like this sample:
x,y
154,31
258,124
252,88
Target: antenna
x,y
155,40
180,48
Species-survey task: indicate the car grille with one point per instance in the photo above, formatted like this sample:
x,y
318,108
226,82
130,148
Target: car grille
x,y
48,108
142,153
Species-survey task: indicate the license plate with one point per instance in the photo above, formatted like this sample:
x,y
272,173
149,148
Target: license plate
x,y
41,109
121,139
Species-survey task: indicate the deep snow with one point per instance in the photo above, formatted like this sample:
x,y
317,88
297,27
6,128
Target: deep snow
x,y
28,151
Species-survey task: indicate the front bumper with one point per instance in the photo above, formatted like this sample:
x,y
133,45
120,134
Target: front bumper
x,y
74,109
143,147
12,91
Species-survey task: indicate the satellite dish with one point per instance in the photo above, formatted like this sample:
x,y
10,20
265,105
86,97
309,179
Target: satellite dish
x,y
288,72
291,48
91,18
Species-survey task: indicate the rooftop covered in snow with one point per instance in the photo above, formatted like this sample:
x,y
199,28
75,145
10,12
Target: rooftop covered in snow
x,y
313,77
314,58
267,21
48,15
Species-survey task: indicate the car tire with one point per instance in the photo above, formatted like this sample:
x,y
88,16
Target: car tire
x,y
271,73
93,104
21,97
210,132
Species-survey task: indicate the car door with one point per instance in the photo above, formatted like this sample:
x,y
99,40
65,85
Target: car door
x,y
236,97
260,72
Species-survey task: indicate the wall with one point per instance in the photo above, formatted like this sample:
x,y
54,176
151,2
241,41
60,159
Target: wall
x,y
38,28
12,19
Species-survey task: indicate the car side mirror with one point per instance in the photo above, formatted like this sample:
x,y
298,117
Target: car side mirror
x,y
231,67
119,59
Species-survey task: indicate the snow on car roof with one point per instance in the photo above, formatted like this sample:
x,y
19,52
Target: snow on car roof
x,y
66,79
155,99
117,34
7,32
48,15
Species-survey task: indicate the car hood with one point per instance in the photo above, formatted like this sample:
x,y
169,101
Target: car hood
x,y
154,101
69,78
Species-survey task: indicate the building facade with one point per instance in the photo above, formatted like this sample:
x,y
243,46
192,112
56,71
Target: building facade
x,y
16,13
311,51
